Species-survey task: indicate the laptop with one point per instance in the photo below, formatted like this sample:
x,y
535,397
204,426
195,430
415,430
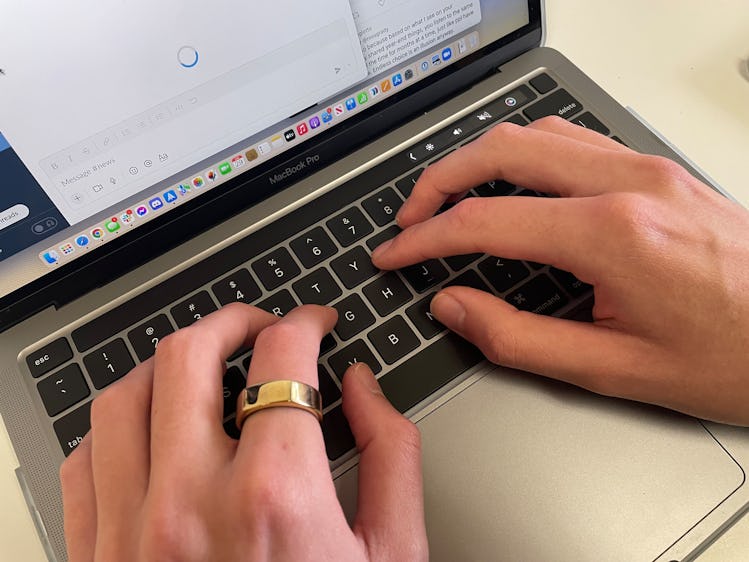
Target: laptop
x,y
158,164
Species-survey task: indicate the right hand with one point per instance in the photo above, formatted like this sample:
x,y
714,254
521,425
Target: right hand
x,y
667,256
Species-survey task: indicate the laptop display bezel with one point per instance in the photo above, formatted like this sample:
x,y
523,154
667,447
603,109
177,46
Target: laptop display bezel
x,y
146,243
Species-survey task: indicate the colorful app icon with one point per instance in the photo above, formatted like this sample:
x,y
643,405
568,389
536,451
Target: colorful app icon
x,y
156,203
184,189
224,168
251,155
141,211
211,175
264,148
276,141
374,91
409,74
170,196
397,80
67,249
424,65
436,60
97,234
197,182
447,54
385,86
339,109
327,117
113,225
289,135
314,122
82,241
51,257
127,217
238,161
350,104
362,98
302,129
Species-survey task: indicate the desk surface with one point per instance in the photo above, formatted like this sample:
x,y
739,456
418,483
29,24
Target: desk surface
x,y
677,64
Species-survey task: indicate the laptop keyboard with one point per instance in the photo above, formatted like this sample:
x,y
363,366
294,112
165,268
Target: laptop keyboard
x,y
320,254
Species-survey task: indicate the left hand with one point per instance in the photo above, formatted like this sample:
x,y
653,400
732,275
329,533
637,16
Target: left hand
x,y
157,478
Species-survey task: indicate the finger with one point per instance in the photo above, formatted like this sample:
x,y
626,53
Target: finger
x,y
544,230
532,158
287,350
79,502
120,452
577,130
390,479
187,407
588,355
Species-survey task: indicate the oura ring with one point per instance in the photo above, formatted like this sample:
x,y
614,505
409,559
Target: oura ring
x,y
278,394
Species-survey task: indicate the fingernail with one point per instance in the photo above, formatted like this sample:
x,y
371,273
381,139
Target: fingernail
x,y
449,311
365,375
382,248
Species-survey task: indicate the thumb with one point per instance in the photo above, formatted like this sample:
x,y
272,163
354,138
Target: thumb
x,y
390,511
581,353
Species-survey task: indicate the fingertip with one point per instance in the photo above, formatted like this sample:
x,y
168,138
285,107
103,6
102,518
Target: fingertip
x,y
449,310
361,374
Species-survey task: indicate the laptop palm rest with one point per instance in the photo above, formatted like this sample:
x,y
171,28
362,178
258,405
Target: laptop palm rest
x,y
521,468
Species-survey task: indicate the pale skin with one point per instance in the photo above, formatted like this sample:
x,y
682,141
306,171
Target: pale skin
x,y
157,478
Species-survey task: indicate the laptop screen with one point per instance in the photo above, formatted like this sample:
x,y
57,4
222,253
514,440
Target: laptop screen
x,y
113,114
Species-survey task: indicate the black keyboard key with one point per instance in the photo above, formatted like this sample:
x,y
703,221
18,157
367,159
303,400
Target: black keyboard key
x,y
590,121
72,428
279,304
328,389
318,287
560,103
495,188
231,429
327,344
246,362
388,234
457,263
570,283
193,309
354,267
356,352
406,185
237,287
234,382
422,317
49,357
387,293
425,275
108,363
517,119
313,247
539,295
383,206
503,274
535,265
470,279
428,371
350,226
337,434
146,337
528,193
276,268
63,389
543,83
393,340
353,317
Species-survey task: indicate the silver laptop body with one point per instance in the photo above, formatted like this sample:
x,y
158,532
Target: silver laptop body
x,y
516,467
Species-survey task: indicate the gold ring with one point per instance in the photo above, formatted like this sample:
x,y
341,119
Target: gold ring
x,y
277,394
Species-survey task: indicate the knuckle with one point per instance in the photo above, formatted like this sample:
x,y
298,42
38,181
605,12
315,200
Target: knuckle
x,y
465,213
281,333
166,536
408,436
551,122
500,133
663,171
502,346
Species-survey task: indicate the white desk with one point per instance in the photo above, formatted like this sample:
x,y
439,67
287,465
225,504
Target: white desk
x,y
677,64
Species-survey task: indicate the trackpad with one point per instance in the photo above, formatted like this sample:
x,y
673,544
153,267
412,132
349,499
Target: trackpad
x,y
520,468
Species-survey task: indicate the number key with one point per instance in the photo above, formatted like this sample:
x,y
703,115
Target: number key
x,y
237,287
314,247
350,226
108,363
193,309
146,337
276,268
383,206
